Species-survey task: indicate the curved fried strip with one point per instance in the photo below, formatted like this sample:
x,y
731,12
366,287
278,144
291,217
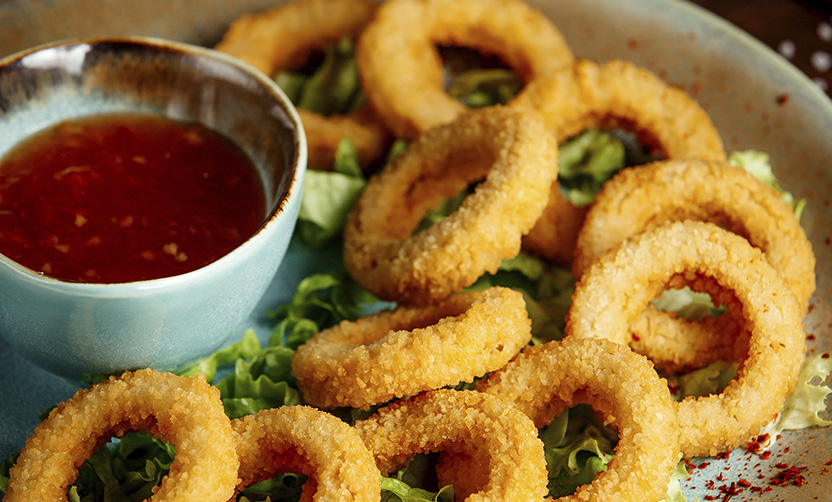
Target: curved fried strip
x,y
589,95
412,349
616,289
462,422
401,70
545,380
186,412
518,163
302,439
643,197
283,37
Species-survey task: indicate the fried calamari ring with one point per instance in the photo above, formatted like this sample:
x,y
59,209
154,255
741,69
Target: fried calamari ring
x,y
646,196
589,95
411,349
186,412
283,37
545,380
401,70
467,422
518,162
618,286
302,439
719,192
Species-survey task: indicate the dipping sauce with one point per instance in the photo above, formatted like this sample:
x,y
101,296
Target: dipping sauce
x,y
126,197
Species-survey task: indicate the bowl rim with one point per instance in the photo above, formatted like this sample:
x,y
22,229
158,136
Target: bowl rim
x,y
278,208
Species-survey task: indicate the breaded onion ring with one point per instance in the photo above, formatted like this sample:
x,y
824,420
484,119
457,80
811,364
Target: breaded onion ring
x,y
401,70
545,380
646,196
617,287
283,37
589,95
301,439
186,412
467,422
405,351
518,162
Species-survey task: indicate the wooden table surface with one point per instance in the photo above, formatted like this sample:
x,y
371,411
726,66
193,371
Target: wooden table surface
x,y
800,30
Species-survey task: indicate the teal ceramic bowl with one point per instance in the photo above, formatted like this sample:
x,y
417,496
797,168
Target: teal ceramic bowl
x,y
73,329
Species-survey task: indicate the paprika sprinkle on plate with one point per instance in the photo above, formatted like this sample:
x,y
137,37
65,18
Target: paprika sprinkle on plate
x,y
126,197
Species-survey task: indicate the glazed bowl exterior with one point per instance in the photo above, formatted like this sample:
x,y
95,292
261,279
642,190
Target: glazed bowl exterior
x,y
76,329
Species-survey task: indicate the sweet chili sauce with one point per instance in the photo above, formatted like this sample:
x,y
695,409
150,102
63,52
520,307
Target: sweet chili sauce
x,y
126,197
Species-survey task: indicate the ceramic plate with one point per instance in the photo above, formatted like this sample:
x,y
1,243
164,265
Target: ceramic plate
x,y
756,99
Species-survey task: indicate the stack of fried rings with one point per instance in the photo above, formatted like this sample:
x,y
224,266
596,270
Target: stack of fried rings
x,y
646,196
408,93
501,437
360,363
518,161
215,456
283,37
301,439
186,412
618,286
587,96
545,380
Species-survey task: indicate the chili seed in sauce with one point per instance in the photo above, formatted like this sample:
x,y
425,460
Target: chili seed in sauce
x,y
126,197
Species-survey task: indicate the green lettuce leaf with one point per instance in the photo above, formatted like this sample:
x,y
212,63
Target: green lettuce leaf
x,y
248,346
703,381
687,303
805,406
320,301
395,490
333,88
280,488
328,197
404,485
577,447
674,486
482,87
586,162
759,165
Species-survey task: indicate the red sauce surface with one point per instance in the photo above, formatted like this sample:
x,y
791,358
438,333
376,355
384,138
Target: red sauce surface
x,y
126,197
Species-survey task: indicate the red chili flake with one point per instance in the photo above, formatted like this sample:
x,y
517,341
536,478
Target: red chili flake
x,y
704,464
723,455
825,355
636,338
788,475
696,88
828,463
783,99
810,337
744,483
765,454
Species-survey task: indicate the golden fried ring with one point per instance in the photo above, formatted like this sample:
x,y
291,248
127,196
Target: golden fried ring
x,y
518,162
405,351
401,70
615,290
302,439
186,412
647,196
462,422
283,37
545,380
589,95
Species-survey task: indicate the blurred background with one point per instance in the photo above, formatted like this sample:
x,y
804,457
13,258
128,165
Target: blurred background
x,y
800,30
